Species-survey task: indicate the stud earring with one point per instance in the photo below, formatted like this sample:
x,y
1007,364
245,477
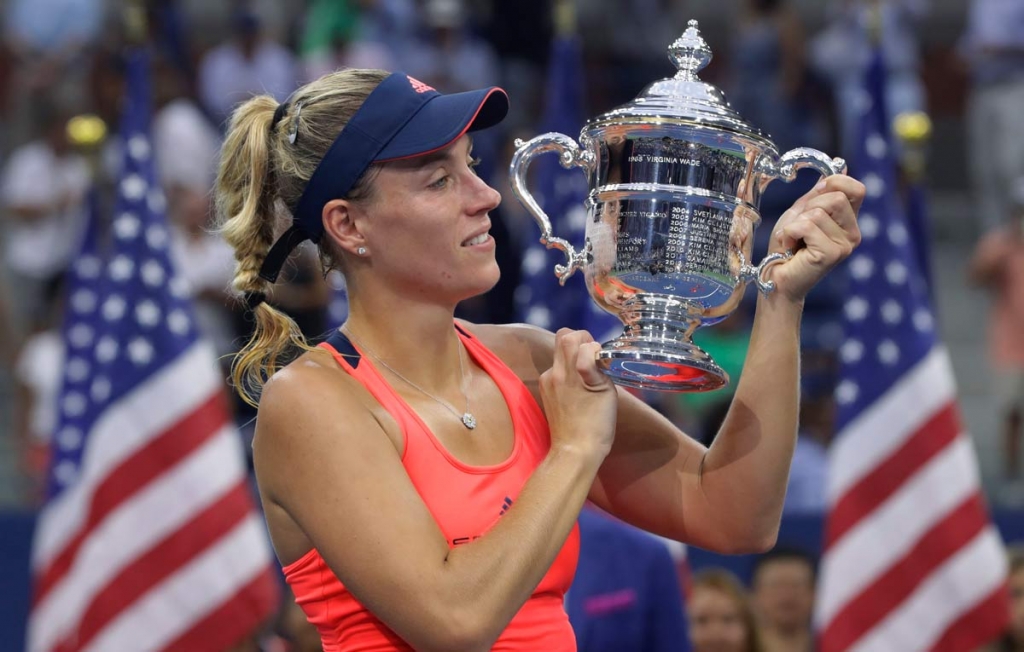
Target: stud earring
x,y
361,251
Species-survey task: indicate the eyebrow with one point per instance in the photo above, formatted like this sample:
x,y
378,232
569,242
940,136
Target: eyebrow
x,y
439,155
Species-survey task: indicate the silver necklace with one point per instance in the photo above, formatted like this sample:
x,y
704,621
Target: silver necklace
x,y
466,417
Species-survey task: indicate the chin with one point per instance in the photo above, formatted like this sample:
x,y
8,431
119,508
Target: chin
x,y
488,280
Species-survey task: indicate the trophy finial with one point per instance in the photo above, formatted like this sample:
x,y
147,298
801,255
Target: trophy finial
x,y
690,53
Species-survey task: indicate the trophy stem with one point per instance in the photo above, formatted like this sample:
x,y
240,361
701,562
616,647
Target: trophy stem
x,y
655,350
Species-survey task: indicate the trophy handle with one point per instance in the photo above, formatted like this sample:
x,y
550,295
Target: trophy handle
x,y
755,273
797,159
785,169
570,155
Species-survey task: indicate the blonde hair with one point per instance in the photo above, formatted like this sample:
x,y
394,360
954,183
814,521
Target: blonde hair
x,y
721,580
263,171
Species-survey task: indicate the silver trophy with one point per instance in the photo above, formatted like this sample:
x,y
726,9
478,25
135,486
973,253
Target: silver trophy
x,y
676,179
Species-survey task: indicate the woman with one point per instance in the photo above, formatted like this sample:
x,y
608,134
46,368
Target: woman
x,y
719,613
416,492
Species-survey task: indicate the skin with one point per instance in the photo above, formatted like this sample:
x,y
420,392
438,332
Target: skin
x,y
716,622
605,444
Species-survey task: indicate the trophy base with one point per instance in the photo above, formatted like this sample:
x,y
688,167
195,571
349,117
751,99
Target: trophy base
x,y
660,366
655,351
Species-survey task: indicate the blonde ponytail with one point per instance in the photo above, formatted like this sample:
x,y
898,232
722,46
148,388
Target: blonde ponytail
x,y
262,171
245,193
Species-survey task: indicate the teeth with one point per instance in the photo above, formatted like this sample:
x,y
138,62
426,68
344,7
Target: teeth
x,y
480,239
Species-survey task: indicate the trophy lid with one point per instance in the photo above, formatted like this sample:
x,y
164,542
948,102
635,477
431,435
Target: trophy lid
x,y
684,98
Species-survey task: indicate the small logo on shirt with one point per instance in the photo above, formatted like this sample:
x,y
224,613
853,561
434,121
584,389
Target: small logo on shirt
x,y
419,86
606,603
505,504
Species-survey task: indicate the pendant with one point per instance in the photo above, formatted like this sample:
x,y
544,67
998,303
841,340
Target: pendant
x,y
469,420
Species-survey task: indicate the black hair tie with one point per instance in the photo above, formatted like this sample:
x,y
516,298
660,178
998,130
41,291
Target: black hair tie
x,y
279,112
254,299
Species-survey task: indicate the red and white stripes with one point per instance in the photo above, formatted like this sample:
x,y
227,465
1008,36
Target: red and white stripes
x,y
159,532
911,559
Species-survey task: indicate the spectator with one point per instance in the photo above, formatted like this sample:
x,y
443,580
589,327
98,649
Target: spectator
x,y
185,142
769,74
842,52
451,56
206,263
626,593
630,39
783,592
998,264
393,24
37,377
42,192
186,148
248,64
50,41
720,616
993,47
333,39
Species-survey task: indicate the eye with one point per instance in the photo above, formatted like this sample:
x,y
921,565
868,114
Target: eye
x,y
473,162
440,183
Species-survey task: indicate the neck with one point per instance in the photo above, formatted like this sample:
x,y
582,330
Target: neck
x,y
416,339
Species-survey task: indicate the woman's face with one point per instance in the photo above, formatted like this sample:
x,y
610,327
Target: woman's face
x,y
716,621
426,226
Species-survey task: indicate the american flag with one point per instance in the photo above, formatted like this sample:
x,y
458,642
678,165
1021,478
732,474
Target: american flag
x,y
149,538
912,561
540,299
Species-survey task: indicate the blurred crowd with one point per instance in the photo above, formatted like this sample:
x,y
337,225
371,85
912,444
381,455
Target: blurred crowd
x,y
64,58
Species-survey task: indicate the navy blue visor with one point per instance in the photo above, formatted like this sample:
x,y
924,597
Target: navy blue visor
x,y
401,118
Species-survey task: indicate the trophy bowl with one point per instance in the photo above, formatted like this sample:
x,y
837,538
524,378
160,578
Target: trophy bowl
x,y
675,184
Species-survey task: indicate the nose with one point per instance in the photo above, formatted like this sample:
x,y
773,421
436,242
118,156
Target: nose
x,y
483,198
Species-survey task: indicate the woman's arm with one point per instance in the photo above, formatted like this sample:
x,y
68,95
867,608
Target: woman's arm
x,y
323,457
729,497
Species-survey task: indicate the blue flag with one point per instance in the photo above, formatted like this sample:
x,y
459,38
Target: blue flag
x,y
540,299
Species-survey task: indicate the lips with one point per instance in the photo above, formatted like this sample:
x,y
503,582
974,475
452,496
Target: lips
x,y
477,240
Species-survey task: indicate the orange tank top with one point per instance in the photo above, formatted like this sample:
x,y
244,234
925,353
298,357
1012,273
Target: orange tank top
x,y
466,501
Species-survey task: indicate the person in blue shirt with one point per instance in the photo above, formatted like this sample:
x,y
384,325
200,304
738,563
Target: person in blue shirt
x,y
626,595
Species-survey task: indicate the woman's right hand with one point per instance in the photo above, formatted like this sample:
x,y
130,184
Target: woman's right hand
x,y
580,401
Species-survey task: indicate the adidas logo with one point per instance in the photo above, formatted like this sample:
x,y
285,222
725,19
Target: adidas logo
x,y
505,506
419,86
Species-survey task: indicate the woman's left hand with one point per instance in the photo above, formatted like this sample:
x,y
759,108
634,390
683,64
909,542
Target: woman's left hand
x,y
821,230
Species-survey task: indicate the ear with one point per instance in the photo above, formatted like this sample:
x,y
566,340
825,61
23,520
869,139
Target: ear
x,y
342,226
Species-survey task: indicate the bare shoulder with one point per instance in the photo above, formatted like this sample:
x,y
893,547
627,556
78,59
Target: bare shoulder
x,y
527,350
303,385
308,409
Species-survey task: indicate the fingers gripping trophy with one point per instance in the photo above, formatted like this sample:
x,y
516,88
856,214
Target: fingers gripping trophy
x,y
676,178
